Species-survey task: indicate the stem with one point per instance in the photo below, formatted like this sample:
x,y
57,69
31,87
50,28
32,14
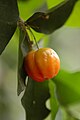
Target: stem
x,y
34,38
21,25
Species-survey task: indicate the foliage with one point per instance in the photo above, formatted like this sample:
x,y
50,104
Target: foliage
x,y
8,21
56,17
34,104
62,90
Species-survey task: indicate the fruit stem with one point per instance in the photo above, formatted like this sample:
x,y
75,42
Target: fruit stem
x,y
34,38
21,25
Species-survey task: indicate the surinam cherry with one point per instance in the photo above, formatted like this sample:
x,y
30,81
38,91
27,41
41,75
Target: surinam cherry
x,y
42,64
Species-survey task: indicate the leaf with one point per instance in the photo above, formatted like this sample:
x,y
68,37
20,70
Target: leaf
x,y
23,49
52,3
34,100
8,21
67,87
25,45
53,19
53,100
23,0
26,7
21,73
74,19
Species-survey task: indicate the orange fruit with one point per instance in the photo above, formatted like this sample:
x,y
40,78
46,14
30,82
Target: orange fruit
x,y
42,64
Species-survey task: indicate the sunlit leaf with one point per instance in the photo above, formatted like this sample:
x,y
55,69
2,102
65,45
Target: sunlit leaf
x,y
52,3
27,7
74,20
68,87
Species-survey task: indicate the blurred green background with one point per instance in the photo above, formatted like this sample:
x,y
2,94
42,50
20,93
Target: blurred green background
x,y
65,41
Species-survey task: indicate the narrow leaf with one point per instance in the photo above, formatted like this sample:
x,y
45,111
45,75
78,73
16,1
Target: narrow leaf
x,y
53,100
23,49
34,100
8,21
49,21
21,74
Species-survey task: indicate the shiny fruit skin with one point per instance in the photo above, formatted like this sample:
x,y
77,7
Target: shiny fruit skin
x,y
42,64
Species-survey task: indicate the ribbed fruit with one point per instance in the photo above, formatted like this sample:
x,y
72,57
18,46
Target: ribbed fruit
x,y
42,64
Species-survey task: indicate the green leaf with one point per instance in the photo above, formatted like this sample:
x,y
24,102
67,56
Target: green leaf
x,y
74,19
23,49
8,21
67,87
52,3
26,8
53,19
25,45
34,100
23,0
53,100
21,73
